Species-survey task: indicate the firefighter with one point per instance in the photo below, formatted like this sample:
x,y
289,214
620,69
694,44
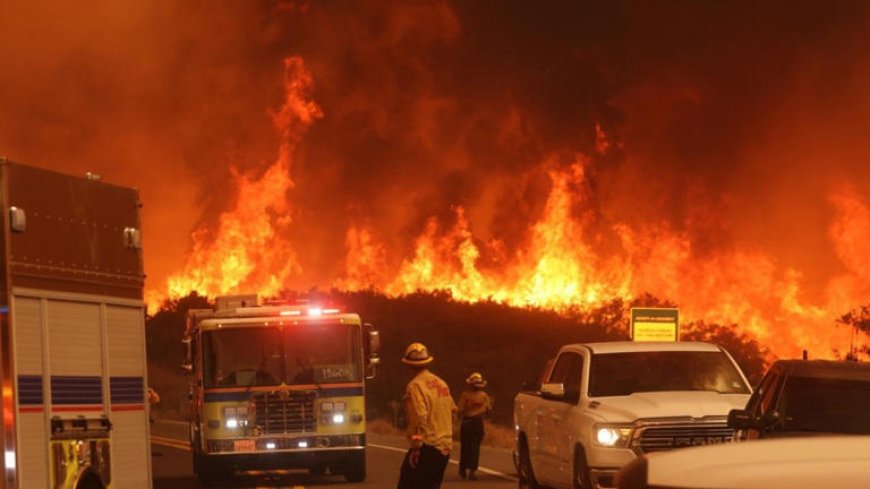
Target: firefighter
x,y
429,408
153,398
474,404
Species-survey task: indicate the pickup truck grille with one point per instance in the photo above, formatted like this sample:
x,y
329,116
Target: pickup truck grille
x,y
285,412
666,437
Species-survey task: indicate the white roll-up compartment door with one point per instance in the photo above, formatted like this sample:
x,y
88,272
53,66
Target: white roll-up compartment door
x,y
32,432
75,349
131,455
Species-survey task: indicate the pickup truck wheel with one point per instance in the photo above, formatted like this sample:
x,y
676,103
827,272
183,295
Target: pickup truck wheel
x,y
581,480
526,475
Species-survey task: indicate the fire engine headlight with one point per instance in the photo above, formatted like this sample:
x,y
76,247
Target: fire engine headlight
x,y
235,416
338,418
612,435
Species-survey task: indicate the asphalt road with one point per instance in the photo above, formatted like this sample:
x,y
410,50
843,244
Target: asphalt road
x,y
171,466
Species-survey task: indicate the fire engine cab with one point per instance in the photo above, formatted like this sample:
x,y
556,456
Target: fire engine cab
x,y
277,386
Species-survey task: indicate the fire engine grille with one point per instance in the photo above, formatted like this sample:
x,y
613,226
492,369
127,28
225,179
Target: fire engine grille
x,y
659,438
285,412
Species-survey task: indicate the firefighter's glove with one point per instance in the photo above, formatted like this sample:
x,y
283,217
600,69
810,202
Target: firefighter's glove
x,y
414,457
416,441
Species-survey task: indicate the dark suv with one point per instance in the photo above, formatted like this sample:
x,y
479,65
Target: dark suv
x,y
800,397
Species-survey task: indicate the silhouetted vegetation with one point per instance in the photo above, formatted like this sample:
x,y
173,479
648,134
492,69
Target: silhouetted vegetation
x,y
509,345
858,320
749,354
163,333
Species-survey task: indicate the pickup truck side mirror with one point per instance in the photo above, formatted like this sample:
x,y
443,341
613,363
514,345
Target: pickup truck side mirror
x,y
740,419
553,391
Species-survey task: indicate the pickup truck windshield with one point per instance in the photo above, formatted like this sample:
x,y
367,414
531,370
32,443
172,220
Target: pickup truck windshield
x,y
267,356
623,374
825,405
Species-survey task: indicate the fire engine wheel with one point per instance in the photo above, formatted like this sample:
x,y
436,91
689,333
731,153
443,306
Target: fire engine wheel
x,y
581,479
212,474
526,475
90,481
354,468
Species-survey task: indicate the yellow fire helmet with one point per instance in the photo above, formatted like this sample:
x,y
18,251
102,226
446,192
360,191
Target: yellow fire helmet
x,y
417,354
476,380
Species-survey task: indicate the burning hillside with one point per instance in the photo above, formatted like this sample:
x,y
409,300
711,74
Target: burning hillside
x,y
560,262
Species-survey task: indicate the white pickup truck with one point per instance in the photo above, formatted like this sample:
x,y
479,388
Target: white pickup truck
x,y
601,405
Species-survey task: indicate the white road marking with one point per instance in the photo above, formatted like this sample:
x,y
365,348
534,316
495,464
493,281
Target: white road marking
x,y
480,469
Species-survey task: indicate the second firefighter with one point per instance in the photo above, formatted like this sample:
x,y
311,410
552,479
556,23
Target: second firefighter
x,y
474,404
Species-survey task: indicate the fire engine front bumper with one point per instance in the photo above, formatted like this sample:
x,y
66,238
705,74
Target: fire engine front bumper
x,y
285,453
296,459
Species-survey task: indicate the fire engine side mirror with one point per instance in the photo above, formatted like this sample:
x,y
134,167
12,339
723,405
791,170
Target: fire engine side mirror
x,y
373,347
187,366
374,340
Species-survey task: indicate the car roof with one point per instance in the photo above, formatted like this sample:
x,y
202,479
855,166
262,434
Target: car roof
x,y
839,461
644,346
824,368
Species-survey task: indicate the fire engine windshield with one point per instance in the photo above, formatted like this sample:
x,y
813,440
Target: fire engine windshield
x,y
242,357
322,353
314,353
623,374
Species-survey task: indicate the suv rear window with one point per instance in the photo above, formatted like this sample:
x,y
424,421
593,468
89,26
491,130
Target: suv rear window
x,y
825,405
622,374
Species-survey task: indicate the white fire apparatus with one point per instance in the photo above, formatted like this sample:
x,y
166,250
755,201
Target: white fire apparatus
x,y
277,387
72,333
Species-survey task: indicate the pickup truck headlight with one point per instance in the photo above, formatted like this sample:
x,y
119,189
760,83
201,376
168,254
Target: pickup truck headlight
x,y
612,435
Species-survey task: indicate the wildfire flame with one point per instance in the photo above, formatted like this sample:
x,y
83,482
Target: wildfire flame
x,y
558,269
246,252
557,265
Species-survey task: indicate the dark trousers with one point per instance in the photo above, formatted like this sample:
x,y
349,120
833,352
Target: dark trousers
x,y
428,473
470,435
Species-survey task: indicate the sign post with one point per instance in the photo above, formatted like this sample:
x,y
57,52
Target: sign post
x,y
655,324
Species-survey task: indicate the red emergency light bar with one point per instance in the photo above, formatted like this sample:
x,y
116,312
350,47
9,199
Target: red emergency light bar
x,y
312,311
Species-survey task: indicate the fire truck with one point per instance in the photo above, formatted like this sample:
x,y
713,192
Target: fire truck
x,y
277,386
72,333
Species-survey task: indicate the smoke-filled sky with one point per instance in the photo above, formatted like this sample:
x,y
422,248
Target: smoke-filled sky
x,y
730,121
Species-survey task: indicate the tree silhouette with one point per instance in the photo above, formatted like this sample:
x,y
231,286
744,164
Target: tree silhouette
x,y
859,321
752,357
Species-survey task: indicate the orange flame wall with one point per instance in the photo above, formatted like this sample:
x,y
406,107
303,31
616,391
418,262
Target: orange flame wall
x,y
559,263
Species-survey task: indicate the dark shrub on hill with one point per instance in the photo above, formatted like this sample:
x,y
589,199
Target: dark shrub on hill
x,y
163,333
